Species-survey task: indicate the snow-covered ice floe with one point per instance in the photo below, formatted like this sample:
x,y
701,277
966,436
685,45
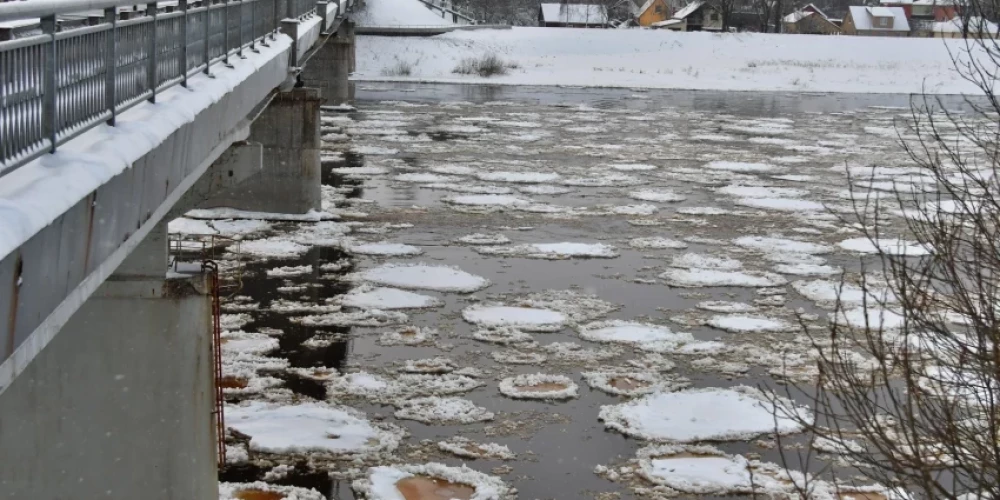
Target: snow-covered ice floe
x,y
484,239
466,448
386,249
769,244
656,243
430,365
408,335
742,323
896,246
633,383
260,489
312,428
432,480
504,335
553,251
539,386
634,333
657,195
738,413
442,410
423,276
379,388
523,318
369,297
695,277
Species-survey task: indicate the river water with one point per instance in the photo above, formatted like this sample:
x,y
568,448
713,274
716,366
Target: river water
x,y
410,166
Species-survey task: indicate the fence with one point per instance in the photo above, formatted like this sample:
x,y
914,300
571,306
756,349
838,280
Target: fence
x,y
57,85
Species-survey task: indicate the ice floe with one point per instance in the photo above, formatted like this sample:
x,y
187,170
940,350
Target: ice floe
x,y
513,357
423,276
633,383
890,247
781,245
733,166
657,195
518,177
738,413
681,277
369,297
539,386
430,481
630,332
656,243
487,200
466,448
260,489
723,306
502,335
739,323
276,248
442,411
523,318
408,335
484,239
365,317
385,249
703,261
553,251
430,365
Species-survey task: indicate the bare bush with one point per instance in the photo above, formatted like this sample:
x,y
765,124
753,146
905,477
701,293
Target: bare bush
x,y
399,68
908,385
486,65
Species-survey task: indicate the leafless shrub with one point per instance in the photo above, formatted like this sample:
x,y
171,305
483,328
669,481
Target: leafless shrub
x,y
908,386
486,65
399,68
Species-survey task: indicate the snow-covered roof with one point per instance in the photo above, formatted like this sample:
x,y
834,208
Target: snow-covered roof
x,y
942,3
815,9
796,16
668,22
572,13
863,16
688,9
976,24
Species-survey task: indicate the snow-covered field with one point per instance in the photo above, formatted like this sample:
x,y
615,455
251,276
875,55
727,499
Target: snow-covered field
x,y
638,58
588,340
398,13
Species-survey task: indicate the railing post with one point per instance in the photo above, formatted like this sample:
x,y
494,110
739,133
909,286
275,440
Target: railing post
x,y
183,4
111,65
153,49
253,25
225,32
207,54
50,90
239,51
321,9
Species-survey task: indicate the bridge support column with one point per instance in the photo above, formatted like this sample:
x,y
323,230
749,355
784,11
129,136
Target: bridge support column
x,y
285,141
119,404
330,67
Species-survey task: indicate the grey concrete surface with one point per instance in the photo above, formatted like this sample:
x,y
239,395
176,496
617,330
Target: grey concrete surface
x,y
119,405
289,131
330,66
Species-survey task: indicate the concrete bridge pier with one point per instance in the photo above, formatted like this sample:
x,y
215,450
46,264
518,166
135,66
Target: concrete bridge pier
x,y
280,161
119,404
330,67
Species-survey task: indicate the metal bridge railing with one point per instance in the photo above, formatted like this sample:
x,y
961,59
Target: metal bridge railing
x,y
57,85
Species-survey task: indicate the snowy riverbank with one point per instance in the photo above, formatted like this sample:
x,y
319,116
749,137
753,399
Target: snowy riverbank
x,y
661,59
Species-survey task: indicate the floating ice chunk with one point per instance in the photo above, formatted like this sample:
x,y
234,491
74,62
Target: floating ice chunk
x,y
311,428
438,480
871,317
283,306
277,248
680,277
826,293
629,332
467,448
553,251
702,211
512,357
386,249
741,191
408,335
373,150
502,336
288,271
469,188
545,189
698,470
573,353
523,318
656,243
539,386
452,169
366,317
633,167
247,343
484,239
738,413
438,410
807,269
494,200
518,177
723,306
361,384
240,227
782,204
606,180
260,489
578,306
795,258
744,324
643,209
779,245
361,171
423,276
657,195
631,383
326,233
702,261
891,247
429,365
733,166
368,297
185,226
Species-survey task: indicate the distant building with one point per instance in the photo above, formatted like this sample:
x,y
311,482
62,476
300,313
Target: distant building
x,y
809,20
653,11
695,16
927,10
876,21
572,15
974,27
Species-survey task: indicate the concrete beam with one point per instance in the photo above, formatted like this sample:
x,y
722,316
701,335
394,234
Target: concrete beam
x,y
120,404
288,132
330,66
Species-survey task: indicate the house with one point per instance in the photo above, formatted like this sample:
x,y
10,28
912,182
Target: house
x,y
929,10
695,16
975,27
572,15
876,21
653,11
809,20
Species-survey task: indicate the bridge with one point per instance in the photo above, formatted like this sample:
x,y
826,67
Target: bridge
x,y
115,118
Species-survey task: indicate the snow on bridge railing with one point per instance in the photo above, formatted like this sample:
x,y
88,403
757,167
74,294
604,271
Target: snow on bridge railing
x,y
61,83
